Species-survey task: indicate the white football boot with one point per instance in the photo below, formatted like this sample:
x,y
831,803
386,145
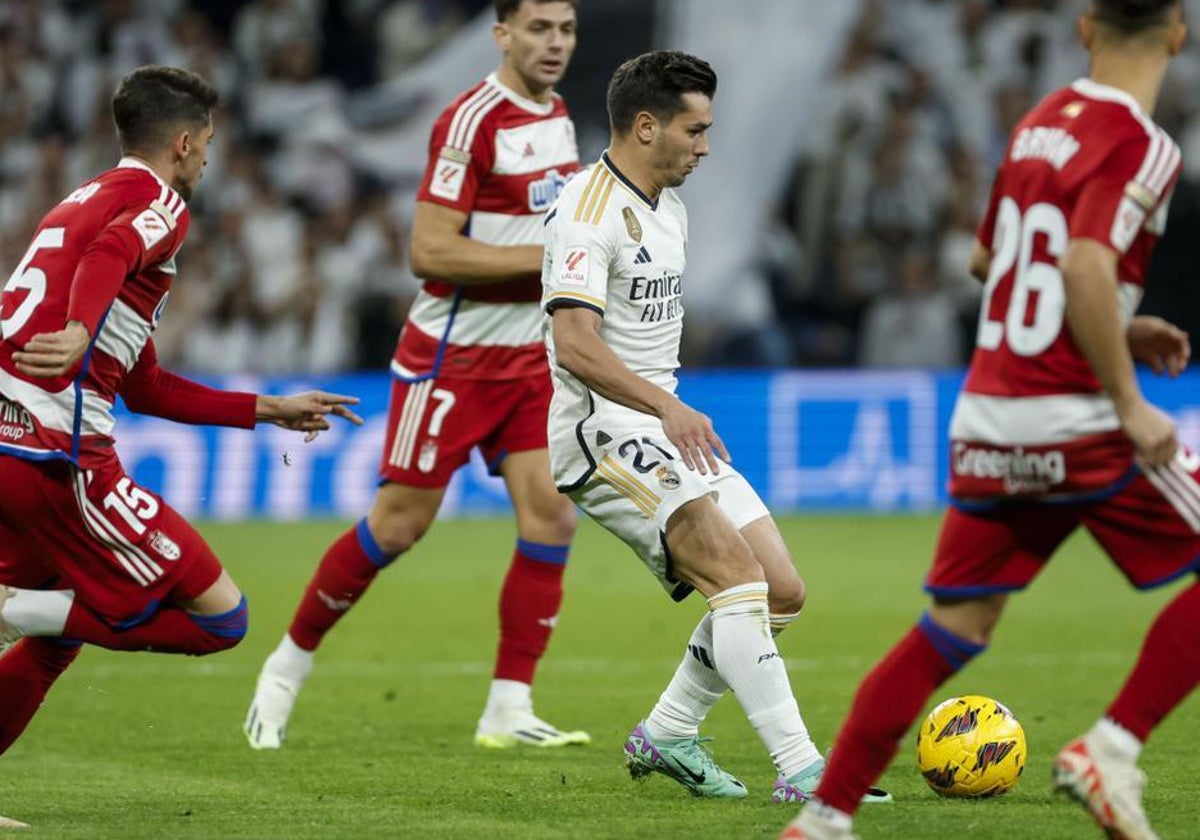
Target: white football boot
x,y
519,726
1108,785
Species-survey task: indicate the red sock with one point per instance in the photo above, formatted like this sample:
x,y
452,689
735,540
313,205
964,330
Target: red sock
x,y
346,571
1167,669
888,701
529,604
168,630
27,670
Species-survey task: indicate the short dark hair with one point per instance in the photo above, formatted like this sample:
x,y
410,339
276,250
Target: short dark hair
x,y
153,103
656,82
1132,16
507,8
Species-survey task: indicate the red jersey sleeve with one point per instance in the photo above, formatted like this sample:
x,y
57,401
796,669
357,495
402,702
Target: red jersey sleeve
x,y
1125,190
150,389
143,235
461,155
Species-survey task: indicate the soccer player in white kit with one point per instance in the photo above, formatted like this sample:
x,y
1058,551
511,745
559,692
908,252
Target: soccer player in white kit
x,y
643,463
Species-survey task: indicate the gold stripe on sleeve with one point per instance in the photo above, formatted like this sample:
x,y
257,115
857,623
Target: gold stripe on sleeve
x,y
587,191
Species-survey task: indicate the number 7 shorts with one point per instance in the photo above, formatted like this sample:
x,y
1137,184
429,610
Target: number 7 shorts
x,y
639,481
118,545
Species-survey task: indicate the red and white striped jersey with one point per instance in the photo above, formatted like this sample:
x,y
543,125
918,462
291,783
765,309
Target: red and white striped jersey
x,y
126,214
502,159
1086,163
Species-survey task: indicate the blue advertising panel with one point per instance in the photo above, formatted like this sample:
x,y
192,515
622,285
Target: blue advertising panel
x,y
807,440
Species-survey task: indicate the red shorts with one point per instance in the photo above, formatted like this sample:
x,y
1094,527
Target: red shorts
x,y
119,546
1150,528
434,424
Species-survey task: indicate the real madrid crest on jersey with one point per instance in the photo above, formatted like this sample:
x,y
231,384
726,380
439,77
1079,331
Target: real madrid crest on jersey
x,y
632,224
668,479
428,456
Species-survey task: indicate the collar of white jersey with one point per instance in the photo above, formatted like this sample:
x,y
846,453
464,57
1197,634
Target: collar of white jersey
x,y
626,183
134,163
540,108
1106,93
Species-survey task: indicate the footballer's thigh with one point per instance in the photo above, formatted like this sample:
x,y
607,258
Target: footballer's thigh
x,y
639,490
786,590
1151,528
518,449
543,514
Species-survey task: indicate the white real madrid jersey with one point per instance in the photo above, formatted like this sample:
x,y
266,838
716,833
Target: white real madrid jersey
x,y
611,249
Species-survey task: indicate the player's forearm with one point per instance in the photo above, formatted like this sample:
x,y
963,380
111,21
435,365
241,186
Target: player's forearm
x,y
1096,324
590,360
460,259
161,393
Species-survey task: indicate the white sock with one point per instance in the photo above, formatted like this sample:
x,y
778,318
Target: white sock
x,y
508,694
692,692
37,612
781,621
817,814
1117,739
290,661
749,662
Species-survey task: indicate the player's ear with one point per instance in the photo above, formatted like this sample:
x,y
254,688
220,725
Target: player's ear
x,y
1087,31
645,126
1177,37
184,143
501,35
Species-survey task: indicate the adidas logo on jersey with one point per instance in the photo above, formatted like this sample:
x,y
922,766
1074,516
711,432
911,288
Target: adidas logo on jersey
x,y
643,256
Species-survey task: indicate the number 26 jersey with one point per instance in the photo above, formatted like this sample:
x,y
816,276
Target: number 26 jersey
x,y
1085,163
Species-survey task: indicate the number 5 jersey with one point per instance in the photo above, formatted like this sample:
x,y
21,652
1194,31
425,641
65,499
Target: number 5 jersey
x,y
104,256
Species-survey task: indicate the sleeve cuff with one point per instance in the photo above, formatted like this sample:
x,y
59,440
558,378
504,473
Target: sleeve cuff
x,y
559,300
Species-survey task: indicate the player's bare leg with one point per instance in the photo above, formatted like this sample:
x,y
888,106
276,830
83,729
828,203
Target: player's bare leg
x,y
6,822
529,603
398,518
712,555
8,634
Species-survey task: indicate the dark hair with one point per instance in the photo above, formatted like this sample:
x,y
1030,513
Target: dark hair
x,y
507,8
656,82
1131,16
154,102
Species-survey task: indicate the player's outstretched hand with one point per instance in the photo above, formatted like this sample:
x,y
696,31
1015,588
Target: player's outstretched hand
x,y
1160,344
694,437
48,355
1152,433
308,412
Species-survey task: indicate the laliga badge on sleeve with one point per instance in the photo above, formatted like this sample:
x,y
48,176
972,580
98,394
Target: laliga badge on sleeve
x,y
575,267
632,224
449,174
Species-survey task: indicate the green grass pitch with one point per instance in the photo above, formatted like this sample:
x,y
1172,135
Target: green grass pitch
x,y
141,745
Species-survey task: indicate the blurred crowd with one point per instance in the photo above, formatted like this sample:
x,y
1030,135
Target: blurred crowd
x,y
869,253
297,259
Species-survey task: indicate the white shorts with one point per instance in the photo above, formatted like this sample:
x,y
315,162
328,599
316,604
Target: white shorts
x,y
637,484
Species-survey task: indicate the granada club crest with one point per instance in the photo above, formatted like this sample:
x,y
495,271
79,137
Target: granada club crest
x,y
164,546
428,456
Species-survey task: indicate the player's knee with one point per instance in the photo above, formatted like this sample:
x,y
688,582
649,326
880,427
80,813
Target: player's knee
x,y
956,646
786,597
221,631
396,532
552,518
